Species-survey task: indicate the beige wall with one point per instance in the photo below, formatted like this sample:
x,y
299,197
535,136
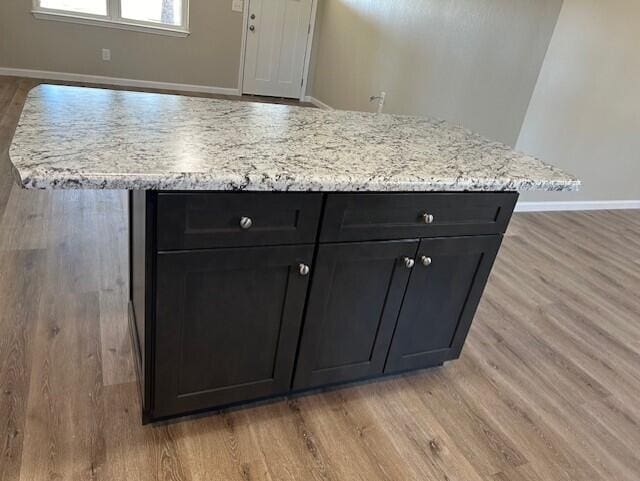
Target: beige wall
x,y
210,56
473,62
585,111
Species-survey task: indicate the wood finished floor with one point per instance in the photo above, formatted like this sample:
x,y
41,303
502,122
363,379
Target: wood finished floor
x,y
548,387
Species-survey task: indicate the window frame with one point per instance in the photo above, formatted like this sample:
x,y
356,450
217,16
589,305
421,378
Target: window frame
x,y
114,19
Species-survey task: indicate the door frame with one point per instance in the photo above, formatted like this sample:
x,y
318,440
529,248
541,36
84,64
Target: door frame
x,y
307,56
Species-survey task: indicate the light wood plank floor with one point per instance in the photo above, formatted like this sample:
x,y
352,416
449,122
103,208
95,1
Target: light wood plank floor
x,y
548,387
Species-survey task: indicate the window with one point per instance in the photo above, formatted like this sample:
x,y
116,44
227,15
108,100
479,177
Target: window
x,y
168,12
157,16
95,7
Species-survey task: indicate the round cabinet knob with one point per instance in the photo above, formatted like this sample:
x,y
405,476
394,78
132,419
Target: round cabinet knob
x,y
253,16
304,269
252,28
246,222
409,262
426,261
428,218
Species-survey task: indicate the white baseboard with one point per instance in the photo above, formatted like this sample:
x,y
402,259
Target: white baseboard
x,y
577,205
318,103
122,82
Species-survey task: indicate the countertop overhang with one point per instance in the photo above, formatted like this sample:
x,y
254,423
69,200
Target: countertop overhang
x,y
86,138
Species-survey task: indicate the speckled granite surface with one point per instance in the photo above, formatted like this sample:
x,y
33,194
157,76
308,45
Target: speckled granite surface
x,y
71,137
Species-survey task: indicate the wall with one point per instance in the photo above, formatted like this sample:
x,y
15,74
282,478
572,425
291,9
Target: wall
x,y
210,56
473,62
585,111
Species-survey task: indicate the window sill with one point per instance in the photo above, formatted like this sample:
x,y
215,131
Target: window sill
x,y
110,23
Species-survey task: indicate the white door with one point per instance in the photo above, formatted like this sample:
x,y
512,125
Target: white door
x,y
276,47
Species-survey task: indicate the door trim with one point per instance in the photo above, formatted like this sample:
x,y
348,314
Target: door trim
x,y
307,55
243,45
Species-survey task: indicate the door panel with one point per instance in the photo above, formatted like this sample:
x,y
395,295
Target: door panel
x,y
265,38
227,326
276,47
441,300
353,306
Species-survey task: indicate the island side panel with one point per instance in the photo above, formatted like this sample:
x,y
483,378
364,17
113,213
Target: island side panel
x,y
141,265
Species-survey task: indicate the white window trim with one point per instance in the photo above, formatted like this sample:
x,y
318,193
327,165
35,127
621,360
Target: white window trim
x,y
114,20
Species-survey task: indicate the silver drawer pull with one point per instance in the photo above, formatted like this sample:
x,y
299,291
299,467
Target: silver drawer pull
x,y
428,218
426,261
304,269
246,223
409,262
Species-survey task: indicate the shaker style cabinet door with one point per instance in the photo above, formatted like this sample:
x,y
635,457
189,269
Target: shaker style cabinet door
x,y
354,302
442,297
227,325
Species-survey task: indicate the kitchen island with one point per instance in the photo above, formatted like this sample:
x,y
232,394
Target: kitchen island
x,y
277,249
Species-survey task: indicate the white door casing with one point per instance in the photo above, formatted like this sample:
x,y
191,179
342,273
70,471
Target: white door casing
x,y
276,47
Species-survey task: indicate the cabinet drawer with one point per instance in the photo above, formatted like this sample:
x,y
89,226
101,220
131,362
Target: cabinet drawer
x,y
354,217
204,220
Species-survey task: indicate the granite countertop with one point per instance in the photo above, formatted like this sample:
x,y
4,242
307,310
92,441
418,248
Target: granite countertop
x,y
73,137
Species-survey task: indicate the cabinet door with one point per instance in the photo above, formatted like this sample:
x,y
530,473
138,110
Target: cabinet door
x,y
441,300
355,298
227,325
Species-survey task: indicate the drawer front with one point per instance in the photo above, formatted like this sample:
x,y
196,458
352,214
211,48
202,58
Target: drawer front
x,y
356,217
205,220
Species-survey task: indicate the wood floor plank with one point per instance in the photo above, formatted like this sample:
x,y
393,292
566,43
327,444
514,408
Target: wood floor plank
x,y
511,413
240,442
568,379
9,116
207,442
20,291
602,367
568,421
286,449
146,453
616,416
480,439
64,435
26,221
521,473
117,358
350,458
130,447
419,434
355,412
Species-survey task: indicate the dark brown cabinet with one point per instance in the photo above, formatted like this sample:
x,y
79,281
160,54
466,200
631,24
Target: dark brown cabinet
x,y
441,299
353,306
227,325
237,297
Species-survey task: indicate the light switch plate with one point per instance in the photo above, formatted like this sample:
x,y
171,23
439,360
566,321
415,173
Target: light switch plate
x,y
237,5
